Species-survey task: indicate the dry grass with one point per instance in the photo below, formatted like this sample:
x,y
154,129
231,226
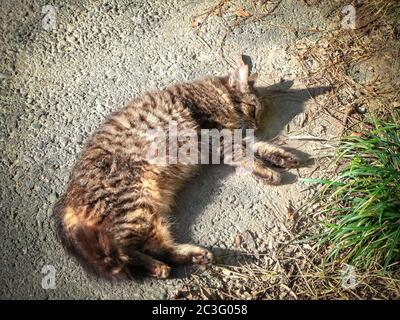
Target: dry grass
x,y
296,272
294,269
361,66
257,283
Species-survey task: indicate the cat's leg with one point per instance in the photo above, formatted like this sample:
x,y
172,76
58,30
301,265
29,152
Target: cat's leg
x,y
260,170
129,232
146,264
162,246
179,254
257,163
275,155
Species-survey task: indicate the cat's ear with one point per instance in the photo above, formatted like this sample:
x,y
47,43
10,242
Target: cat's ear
x,y
239,77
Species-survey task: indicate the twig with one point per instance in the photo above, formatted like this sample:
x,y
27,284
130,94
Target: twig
x,y
306,137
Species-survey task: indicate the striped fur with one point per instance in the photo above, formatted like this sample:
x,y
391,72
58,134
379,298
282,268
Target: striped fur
x,y
114,213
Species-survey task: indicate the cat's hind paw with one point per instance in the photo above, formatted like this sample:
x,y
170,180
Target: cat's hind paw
x,y
161,271
202,257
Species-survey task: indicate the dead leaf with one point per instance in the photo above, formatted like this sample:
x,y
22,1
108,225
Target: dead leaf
x,y
242,13
356,134
226,272
248,239
301,119
291,214
238,240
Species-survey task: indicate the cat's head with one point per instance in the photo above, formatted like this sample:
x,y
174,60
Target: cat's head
x,y
242,88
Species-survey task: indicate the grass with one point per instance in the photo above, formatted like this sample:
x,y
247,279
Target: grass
x,y
363,201
360,204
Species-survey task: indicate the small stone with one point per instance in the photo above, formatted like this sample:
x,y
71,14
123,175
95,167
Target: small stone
x,y
238,240
248,239
36,126
52,197
361,109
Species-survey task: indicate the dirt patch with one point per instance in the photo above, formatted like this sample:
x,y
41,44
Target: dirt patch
x,y
57,85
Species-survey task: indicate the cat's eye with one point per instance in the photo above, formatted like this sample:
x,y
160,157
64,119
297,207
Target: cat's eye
x,y
252,107
255,112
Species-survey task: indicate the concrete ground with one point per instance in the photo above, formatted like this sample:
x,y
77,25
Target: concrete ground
x,y
61,76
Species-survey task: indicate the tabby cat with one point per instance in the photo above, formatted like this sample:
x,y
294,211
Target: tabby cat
x,y
114,213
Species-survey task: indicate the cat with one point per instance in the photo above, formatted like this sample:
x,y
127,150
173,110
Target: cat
x,y
113,215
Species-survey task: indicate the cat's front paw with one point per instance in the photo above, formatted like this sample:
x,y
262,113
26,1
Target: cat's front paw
x,y
284,160
202,257
268,177
291,161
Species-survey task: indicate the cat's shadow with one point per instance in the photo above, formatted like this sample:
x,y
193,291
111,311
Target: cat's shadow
x,y
282,104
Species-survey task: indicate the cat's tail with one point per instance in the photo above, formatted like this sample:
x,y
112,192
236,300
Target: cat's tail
x,y
90,244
